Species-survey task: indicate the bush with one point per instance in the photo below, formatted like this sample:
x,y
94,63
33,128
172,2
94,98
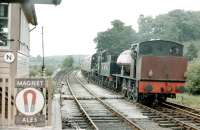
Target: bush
x,y
192,52
36,70
193,77
67,63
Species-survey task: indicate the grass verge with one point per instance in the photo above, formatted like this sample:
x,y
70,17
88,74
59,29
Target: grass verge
x,y
187,99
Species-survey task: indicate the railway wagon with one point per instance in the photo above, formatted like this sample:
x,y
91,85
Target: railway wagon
x,y
89,66
148,71
86,66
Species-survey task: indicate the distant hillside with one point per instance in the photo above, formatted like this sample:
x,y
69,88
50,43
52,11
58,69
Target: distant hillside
x,y
54,61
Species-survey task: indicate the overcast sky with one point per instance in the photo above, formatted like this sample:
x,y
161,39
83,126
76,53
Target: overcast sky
x,y
71,27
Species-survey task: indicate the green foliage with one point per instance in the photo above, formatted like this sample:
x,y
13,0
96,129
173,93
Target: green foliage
x,y
67,63
146,26
50,60
36,66
36,70
49,70
55,61
187,99
177,25
52,63
193,76
196,43
191,52
116,39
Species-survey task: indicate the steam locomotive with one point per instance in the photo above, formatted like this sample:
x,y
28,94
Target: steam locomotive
x,y
149,71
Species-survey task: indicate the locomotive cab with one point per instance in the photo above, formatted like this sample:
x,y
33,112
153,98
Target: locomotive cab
x,y
160,69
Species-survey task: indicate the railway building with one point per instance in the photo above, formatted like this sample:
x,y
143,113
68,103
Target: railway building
x,y
15,19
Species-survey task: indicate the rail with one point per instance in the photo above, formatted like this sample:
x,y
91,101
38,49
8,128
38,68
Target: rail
x,y
133,125
88,118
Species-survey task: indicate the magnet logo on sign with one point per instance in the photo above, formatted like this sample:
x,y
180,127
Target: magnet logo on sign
x,y
9,57
29,101
26,105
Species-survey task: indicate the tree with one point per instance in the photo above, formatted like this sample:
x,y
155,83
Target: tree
x,y
67,63
116,39
49,70
146,28
191,52
193,76
35,70
177,25
39,58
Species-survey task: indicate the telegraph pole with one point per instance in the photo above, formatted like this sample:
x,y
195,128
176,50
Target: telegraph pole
x,y
43,64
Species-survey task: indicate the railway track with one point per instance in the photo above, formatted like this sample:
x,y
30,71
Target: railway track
x,y
171,116
93,112
174,116
182,108
76,118
99,115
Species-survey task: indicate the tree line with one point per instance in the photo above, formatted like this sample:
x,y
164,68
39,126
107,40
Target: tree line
x,y
177,25
65,63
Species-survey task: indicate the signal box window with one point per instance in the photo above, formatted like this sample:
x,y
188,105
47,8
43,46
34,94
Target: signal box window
x,y
3,24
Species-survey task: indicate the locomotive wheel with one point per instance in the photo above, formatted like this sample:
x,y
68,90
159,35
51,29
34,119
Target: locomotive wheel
x,y
124,88
130,95
135,94
109,84
124,92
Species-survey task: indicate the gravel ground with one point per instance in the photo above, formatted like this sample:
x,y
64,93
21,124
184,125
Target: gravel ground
x,y
101,92
26,128
134,113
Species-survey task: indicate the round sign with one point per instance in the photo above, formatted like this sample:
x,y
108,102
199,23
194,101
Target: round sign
x,y
9,57
29,101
